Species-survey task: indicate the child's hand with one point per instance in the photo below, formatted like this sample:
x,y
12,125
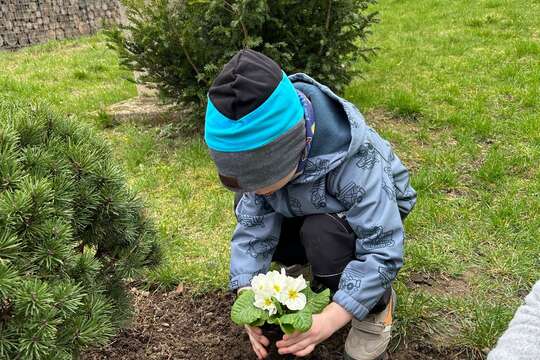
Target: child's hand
x,y
302,344
324,325
258,341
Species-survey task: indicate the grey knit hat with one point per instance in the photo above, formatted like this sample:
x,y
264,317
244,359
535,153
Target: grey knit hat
x,y
254,123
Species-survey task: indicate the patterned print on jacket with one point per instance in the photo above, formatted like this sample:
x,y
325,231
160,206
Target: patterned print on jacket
x,y
387,273
296,206
263,203
366,157
389,190
375,238
262,249
351,281
350,194
318,193
316,166
251,221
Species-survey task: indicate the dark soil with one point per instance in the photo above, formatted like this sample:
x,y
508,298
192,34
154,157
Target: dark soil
x,y
180,325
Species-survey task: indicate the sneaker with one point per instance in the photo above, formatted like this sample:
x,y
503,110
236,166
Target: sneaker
x,y
369,338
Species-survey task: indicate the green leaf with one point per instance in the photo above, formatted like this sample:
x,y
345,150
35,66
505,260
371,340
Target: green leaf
x,y
316,302
278,305
300,321
286,328
243,312
258,322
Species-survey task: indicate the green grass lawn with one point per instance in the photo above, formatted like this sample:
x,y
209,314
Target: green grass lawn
x,y
455,88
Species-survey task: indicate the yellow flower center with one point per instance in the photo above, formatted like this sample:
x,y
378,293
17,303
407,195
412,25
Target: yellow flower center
x,y
293,294
277,288
267,301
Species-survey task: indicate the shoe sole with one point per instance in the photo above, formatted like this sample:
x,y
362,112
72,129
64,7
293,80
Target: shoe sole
x,y
383,356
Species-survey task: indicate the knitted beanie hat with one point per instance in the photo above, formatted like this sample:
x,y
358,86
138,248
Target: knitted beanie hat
x,y
254,123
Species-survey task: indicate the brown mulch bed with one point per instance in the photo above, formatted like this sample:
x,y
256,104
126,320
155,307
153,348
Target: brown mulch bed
x,y
180,325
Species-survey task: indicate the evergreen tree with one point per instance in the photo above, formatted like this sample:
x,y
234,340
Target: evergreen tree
x,y
70,233
181,45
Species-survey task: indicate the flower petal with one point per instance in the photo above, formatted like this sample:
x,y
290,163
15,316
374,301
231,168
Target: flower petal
x,y
298,303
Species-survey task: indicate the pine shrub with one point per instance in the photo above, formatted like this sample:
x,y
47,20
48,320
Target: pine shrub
x,y
71,233
181,45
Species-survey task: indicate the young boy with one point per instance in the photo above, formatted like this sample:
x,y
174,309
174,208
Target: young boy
x,y
320,187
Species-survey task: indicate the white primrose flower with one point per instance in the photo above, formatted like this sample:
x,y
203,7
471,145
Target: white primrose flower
x,y
260,284
277,283
264,301
283,288
291,295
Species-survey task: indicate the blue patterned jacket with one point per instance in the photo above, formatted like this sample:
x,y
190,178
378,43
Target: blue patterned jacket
x,y
350,170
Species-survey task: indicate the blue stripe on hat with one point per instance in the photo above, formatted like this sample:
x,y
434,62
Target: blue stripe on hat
x,y
273,118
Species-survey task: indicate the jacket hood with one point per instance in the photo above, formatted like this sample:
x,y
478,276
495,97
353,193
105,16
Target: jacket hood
x,y
340,129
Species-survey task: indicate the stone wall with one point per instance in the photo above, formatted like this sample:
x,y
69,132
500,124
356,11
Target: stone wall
x,y
27,22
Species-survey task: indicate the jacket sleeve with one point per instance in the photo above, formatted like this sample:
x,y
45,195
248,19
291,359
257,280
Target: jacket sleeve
x,y
365,185
405,194
254,239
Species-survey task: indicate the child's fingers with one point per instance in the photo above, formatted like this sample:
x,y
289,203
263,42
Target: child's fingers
x,y
261,339
254,329
261,351
294,348
256,333
288,336
254,346
258,342
293,340
306,351
259,357
250,331
264,340
257,348
264,354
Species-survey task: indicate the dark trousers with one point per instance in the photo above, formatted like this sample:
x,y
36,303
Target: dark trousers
x,y
325,241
